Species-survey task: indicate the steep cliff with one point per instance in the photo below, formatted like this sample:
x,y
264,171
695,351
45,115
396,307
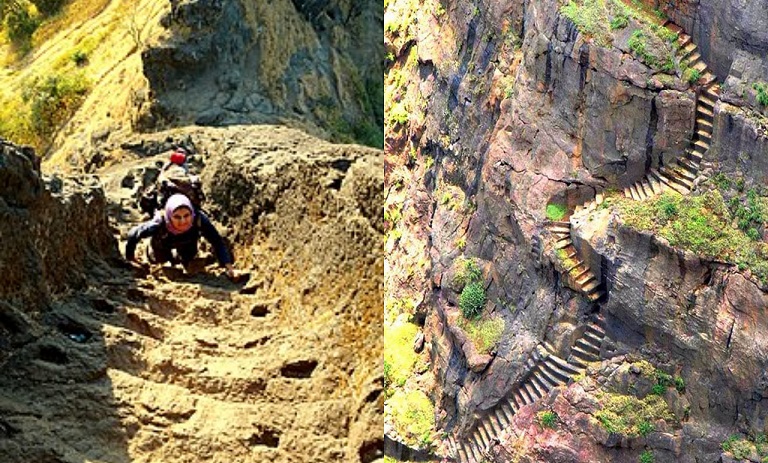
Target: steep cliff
x,y
525,123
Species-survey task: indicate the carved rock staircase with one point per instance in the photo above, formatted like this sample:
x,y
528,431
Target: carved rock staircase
x,y
581,276
680,177
545,371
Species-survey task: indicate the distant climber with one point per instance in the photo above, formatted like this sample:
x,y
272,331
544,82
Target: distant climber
x,y
174,178
174,234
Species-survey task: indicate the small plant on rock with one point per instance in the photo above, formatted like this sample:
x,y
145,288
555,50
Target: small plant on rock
x,y
644,428
646,457
691,75
472,299
555,211
547,419
658,389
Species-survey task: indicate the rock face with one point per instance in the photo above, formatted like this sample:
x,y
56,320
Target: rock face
x,y
98,363
47,222
513,131
316,63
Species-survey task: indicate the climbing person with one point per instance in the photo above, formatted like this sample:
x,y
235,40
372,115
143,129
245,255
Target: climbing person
x,y
174,177
174,233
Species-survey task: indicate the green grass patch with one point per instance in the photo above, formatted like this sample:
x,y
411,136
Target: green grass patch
x,y
399,354
647,457
485,333
413,415
547,419
625,414
702,225
556,211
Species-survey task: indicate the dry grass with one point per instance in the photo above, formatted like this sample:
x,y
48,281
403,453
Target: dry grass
x,y
75,12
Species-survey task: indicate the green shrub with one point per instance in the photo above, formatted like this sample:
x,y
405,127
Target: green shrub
x,y
555,211
54,100
646,457
638,43
20,26
48,7
667,207
644,428
472,299
467,272
485,333
658,389
547,419
679,384
762,93
619,22
691,75
80,58
663,378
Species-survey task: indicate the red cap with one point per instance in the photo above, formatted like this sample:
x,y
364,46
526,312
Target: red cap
x,y
179,157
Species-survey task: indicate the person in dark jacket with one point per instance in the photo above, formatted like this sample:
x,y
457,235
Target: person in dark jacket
x,y
178,228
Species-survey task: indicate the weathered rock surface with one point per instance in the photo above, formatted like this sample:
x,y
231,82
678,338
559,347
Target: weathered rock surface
x,y
98,363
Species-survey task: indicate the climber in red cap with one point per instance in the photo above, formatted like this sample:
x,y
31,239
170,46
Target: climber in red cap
x,y
179,157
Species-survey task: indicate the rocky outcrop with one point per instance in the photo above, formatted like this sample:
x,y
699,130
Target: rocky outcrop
x,y
47,222
317,64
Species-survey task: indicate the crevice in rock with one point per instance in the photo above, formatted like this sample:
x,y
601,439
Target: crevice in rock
x,y
301,369
266,437
371,451
52,354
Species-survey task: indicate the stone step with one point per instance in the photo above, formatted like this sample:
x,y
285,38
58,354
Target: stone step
x,y
673,178
522,398
570,252
655,185
587,347
484,437
545,385
591,286
535,387
513,404
494,425
699,65
712,92
556,372
689,165
687,50
507,411
595,295
599,198
702,144
560,229
501,417
533,393
683,40
462,454
633,192
593,338
704,124
563,243
703,110
708,78
672,26
694,57
627,193
475,452
706,101
585,279
580,271
646,184
685,173
695,154
563,365
545,376
704,135
582,354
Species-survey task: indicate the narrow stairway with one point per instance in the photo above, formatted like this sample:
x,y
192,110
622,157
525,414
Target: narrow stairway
x,y
544,372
